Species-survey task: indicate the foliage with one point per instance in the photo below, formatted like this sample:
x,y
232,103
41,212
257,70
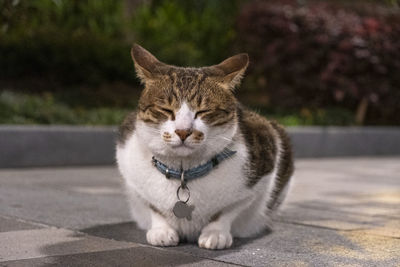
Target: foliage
x,y
322,60
43,109
69,42
17,108
78,17
323,117
65,59
75,42
320,55
181,32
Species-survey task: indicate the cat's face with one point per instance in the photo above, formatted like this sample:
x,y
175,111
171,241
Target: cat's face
x,y
183,111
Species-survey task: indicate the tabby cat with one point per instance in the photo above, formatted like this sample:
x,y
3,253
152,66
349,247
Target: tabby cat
x,y
197,165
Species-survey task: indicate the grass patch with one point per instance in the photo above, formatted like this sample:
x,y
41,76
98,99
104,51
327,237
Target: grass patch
x,y
44,109
19,108
310,117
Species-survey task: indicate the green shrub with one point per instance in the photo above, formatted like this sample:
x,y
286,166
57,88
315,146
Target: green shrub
x,y
305,57
191,33
322,117
69,42
65,59
88,42
44,109
77,17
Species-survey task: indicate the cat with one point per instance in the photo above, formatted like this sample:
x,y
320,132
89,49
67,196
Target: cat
x,y
236,164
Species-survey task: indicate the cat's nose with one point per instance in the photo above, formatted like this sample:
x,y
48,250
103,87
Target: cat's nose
x,y
183,134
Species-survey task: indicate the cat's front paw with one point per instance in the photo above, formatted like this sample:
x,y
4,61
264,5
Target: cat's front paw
x,y
215,239
162,236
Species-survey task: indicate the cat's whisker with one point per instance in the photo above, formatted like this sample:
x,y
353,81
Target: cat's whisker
x,y
218,138
156,131
226,138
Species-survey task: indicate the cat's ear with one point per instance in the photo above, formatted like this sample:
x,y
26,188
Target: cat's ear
x,y
233,69
147,66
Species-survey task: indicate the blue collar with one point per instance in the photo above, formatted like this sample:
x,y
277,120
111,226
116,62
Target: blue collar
x,y
195,172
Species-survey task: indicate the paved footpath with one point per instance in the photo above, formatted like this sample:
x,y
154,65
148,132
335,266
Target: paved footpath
x,y
340,212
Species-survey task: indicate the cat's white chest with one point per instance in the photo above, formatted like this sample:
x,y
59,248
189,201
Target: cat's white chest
x,y
221,187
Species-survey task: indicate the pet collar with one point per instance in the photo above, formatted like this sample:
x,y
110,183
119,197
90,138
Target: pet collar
x,y
195,172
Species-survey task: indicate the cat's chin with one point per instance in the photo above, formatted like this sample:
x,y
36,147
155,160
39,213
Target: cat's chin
x,y
182,150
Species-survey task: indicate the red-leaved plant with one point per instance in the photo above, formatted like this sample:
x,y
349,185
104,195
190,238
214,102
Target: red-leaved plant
x,y
322,55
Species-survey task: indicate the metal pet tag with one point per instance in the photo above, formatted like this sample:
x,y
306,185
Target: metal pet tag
x,y
183,210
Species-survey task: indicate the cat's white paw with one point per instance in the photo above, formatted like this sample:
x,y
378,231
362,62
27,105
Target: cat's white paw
x,y
215,239
162,236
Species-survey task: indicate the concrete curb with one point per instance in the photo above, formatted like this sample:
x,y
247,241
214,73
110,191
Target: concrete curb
x,y
35,146
345,141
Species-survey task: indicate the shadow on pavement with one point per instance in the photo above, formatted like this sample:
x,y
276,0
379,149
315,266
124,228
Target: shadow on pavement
x,y
128,231
136,255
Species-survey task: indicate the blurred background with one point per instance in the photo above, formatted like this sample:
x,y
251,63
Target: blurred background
x,y
312,62
66,64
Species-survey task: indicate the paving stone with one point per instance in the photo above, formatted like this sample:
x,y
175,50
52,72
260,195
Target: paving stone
x,y
288,245
13,224
341,212
25,244
137,256
345,194
127,231
299,245
73,197
332,219
95,195
390,228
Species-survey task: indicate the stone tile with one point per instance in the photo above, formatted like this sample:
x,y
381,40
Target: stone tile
x,y
288,245
341,212
25,244
344,194
296,245
333,219
95,195
127,231
137,256
13,224
390,228
332,224
80,197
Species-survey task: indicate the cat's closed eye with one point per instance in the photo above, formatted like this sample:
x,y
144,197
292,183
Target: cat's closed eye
x,y
201,112
216,112
217,116
167,110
